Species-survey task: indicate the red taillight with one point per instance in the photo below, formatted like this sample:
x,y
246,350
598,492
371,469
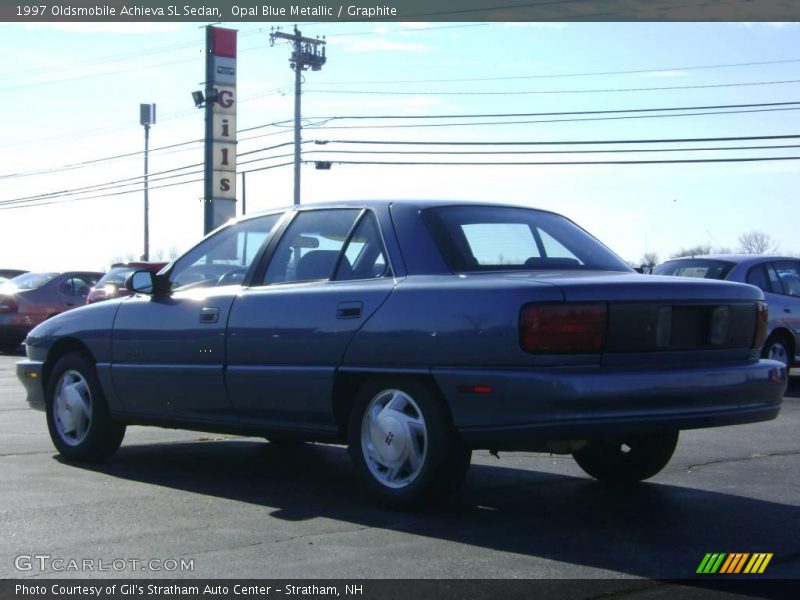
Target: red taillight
x,y
7,304
762,321
563,327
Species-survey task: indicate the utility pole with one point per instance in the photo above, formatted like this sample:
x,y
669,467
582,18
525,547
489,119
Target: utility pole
x,y
147,117
306,53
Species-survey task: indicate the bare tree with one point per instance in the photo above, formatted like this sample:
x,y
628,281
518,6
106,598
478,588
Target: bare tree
x,y
159,255
698,250
649,259
757,242
173,253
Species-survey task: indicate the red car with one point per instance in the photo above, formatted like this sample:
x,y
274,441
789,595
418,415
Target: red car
x,y
112,284
29,299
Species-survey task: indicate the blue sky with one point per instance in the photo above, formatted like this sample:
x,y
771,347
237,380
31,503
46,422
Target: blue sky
x,y
71,95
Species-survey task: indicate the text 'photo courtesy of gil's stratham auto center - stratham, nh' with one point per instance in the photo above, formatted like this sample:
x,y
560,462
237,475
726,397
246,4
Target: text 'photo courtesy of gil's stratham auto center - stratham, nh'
x,y
441,299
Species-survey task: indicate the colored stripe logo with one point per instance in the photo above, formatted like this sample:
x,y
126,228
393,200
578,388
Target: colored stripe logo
x,y
734,563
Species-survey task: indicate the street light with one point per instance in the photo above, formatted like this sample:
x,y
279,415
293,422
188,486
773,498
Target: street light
x,y
147,117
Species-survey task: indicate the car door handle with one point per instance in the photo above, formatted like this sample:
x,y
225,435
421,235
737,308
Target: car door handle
x,y
209,314
348,310
787,310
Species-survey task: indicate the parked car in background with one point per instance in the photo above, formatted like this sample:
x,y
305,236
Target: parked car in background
x,y
415,332
777,276
112,284
10,273
30,298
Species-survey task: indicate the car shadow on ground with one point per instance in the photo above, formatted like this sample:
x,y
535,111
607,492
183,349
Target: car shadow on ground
x,y
793,391
18,351
649,530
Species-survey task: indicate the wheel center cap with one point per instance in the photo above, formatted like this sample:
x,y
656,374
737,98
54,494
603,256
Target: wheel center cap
x,y
388,439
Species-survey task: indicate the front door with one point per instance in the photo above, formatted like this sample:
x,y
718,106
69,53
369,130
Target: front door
x,y
168,352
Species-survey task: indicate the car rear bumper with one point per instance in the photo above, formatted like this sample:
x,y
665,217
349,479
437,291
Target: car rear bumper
x,y
29,372
493,408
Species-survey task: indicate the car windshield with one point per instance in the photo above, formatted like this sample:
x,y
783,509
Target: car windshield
x,y
703,268
223,258
30,281
484,238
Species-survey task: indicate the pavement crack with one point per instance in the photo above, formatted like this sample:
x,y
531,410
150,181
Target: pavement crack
x,y
31,453
754,456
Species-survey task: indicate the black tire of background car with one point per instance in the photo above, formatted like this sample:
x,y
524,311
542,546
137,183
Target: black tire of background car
x,y
447,459
104,435
610,460
778,339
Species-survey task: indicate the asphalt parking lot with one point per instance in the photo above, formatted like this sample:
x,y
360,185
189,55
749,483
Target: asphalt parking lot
x,y
243,508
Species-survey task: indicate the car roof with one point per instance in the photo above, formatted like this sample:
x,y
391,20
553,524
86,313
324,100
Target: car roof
x,y
413,203
734,258
139,263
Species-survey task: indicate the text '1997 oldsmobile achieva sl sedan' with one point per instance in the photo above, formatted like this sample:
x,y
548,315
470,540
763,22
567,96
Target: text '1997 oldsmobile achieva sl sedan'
x,y
413,331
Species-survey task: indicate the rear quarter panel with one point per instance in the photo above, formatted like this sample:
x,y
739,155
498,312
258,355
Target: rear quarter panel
x,y
448,320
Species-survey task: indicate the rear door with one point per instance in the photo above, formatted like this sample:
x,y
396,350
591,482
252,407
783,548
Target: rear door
x,y
288,332
786,280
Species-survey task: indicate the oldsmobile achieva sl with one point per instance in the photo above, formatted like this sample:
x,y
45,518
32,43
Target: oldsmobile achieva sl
x,y
414,332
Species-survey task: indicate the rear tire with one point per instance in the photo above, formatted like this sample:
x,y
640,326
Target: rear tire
x,y
778,348
627,459
77,413
404,446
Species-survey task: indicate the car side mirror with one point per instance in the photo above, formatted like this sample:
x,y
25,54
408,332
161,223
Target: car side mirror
x,y
147,282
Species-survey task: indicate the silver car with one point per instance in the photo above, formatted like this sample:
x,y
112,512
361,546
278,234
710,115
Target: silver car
x,y
777,276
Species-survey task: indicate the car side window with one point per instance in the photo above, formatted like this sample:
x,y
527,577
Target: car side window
x,y
364,256
66,287
757,276
789,277
310,248
225,257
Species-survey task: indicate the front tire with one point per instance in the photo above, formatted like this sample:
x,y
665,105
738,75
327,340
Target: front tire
x,y
77,413
627,459
403,443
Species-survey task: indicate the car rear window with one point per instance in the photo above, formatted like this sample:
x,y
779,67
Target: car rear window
x,y
702,268
482,238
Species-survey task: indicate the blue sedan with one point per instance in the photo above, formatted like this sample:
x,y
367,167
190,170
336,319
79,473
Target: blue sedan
x,y
414,332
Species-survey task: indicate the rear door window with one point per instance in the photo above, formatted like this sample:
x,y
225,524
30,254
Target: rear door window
x,y
789,277
758,277
311,246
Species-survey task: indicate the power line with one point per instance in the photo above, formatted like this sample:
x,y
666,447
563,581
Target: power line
x,y
565,75
532,92
137,180
560,113
719,107
557,163
538,121
561,142
167,185
507,152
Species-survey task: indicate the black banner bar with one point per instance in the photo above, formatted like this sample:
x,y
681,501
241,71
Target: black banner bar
x,y
716,587
210,11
